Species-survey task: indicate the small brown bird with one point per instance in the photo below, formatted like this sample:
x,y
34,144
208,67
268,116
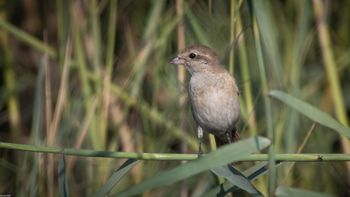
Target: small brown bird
x,y
213,93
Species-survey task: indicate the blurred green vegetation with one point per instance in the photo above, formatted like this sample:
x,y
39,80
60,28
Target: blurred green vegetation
x,y
95,75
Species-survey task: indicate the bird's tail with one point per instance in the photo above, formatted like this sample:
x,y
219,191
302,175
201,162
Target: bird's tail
x,y
227,138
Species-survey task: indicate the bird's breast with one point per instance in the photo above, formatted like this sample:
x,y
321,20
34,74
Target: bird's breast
x,y
214,102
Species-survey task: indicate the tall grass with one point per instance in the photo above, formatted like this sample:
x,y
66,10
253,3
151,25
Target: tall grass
x,y
95,75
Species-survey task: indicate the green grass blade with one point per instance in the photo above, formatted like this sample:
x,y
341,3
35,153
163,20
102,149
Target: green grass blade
x,y
38,106
272,177
258,170
96,33
154,19
311,112
269,37
251,173
27,38
197,29
236,178
290,192
116,177
111,35
232,35
224,155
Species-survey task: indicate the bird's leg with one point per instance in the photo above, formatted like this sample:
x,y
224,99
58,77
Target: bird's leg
x,y
200,140
229,137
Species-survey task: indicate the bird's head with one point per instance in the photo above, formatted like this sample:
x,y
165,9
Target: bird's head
x,y
196,58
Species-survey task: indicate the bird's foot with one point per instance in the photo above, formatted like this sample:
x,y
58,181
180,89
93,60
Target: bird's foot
x,y
200,153
200,140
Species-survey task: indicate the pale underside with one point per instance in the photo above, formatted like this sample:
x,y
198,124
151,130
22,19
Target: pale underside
x,y
214,101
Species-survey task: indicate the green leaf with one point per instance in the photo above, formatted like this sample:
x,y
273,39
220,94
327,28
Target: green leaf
x,y
291,192
268,31
251,173
116,177
236,178
226,154
311,112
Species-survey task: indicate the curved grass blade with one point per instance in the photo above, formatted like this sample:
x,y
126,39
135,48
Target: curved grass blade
x,y
290,192
236,178
251,173
116,177
311,112
222,156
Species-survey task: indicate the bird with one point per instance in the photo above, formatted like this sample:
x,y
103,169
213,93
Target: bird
x,y
213,94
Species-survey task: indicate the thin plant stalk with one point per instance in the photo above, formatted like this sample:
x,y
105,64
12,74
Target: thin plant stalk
x,y
27,38
246,79
268,112
232,35
287,157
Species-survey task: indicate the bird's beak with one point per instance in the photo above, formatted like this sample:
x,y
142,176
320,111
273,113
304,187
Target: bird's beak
x,y
177,61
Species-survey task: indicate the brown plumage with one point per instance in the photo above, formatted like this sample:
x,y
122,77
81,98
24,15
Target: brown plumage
x,y
213,93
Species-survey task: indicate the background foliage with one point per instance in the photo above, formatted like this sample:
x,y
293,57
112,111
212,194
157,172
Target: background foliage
x,y
95,74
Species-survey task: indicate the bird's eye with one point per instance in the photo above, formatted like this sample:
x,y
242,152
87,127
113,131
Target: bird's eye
x,y
192,55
